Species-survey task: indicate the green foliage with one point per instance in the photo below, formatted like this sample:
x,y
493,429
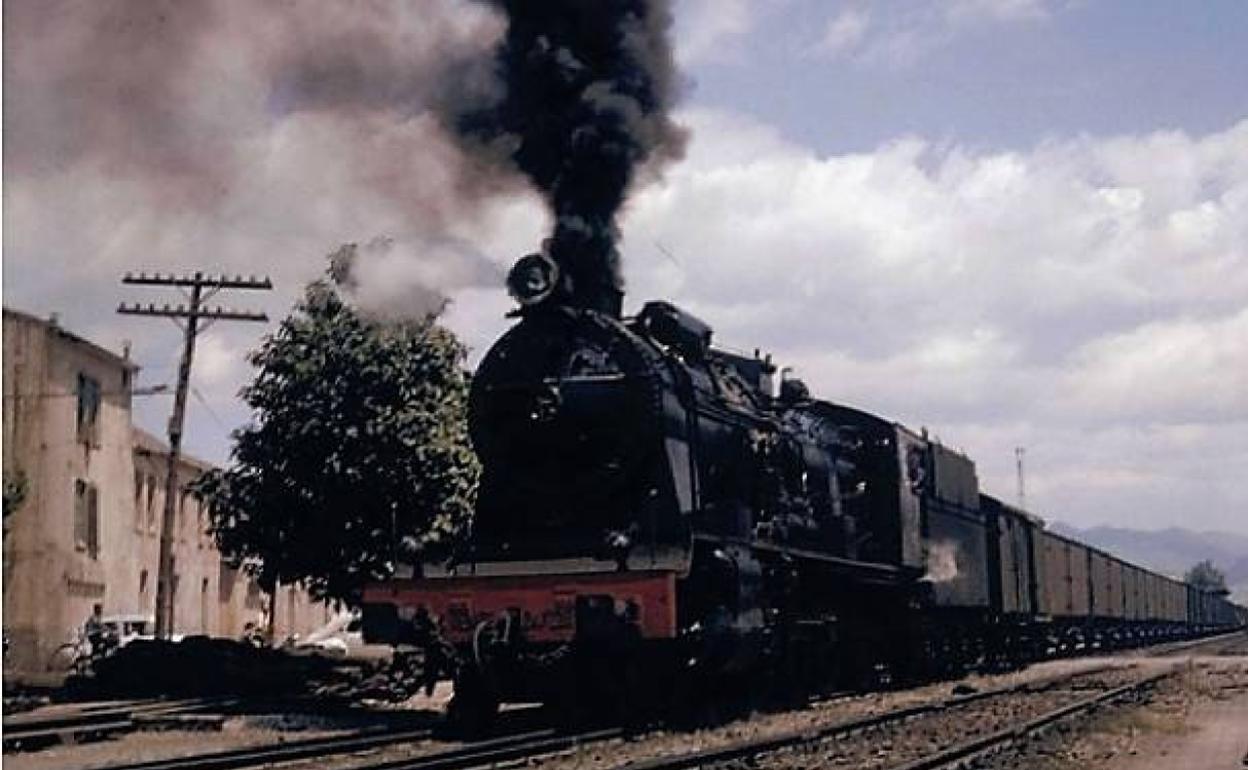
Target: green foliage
x,y
15,489
358,452
1206,577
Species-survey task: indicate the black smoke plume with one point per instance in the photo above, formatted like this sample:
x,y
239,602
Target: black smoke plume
x,y
588,85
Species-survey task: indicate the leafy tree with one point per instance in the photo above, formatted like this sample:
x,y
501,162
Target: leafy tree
x,y
1206,577
15,489
358,450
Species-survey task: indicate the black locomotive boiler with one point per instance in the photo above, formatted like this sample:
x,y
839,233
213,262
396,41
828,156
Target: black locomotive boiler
x,y
657,513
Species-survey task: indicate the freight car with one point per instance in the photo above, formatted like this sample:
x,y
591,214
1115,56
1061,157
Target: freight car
x,y
657,515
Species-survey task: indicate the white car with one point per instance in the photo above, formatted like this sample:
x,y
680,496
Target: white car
x,y
127,628
340,636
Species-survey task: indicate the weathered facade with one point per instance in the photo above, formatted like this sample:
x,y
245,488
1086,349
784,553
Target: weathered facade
x,y
209,597
87,530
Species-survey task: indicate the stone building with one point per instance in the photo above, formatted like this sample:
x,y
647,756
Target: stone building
x,y
87,530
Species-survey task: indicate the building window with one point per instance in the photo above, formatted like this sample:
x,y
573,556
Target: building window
x,y
138,500
88,409
254,599
142,585
182,515
151,503
226,575
87,518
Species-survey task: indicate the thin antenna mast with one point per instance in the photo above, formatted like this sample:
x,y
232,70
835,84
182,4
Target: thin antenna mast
x,y
1019,453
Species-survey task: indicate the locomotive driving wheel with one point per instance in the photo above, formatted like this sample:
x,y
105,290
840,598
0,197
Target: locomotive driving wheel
x,y
473,709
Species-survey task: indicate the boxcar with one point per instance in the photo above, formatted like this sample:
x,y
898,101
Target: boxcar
x,y
1012,567
1156,610
1099,565
1117,589
1178,589
1064,576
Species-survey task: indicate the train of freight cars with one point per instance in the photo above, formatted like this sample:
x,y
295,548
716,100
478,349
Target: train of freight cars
x,y
656,517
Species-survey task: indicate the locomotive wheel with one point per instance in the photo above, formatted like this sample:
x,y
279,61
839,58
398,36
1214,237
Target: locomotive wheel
x,y
473,709
605,690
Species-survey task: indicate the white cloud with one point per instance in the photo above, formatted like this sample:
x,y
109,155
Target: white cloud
x,y
1181,370
979,11
217,362
895,33
709,30
844,31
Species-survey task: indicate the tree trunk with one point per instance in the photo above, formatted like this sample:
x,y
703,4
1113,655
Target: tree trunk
x,y
273,615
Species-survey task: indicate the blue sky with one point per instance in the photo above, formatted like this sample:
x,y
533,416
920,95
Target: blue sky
x,y
1015,222
1000,75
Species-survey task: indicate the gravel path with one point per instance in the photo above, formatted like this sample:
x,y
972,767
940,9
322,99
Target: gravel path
x,y
1195,721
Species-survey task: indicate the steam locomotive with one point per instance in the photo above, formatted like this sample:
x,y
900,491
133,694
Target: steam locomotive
x,y
657,513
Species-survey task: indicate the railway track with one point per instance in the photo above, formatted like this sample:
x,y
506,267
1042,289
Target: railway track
x,y
918,737
508,748
255,756
33,730
1235,642
521,745
965,754
472,755
491,753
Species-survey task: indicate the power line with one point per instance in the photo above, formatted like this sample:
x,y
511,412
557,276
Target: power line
x,y
202,287
208,407
150,390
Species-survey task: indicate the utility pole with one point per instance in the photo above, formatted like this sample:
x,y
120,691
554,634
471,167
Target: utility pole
x,y
201,287
1019,452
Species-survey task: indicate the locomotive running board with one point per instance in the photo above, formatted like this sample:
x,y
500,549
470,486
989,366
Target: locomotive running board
x,y
870,572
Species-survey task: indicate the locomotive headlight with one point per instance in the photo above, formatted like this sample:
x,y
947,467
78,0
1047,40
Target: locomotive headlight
x,y
532,279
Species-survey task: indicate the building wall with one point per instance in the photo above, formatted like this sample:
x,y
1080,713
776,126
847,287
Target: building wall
x,y
209,597
52,575
297,614
196,560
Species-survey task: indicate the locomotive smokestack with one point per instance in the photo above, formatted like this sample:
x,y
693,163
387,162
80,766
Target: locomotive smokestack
x,y
587,90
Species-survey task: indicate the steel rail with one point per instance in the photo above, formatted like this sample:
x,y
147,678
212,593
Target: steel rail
x,y
470,755
956,756
250,756
29,729
493,752
764,745
1173,647
97,711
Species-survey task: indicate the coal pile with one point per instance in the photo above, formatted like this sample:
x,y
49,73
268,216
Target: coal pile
x,y
201,666
17,702
394,681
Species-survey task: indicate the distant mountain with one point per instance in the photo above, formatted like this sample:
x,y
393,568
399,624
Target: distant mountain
x,y
1172,551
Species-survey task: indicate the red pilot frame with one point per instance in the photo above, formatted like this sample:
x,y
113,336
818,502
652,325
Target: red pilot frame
x,y
546,604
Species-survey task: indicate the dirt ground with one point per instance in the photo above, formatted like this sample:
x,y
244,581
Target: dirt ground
x,y
142,746
618,753
1207,729
1126,742
1195,721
